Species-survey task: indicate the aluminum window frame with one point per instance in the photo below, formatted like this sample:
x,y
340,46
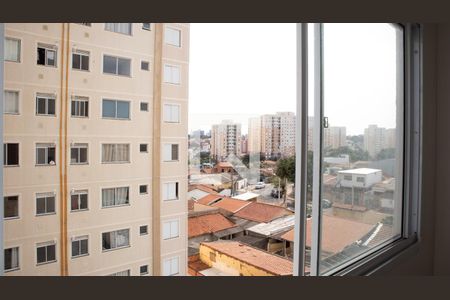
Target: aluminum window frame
x,y
79,239
377,258
46,97
48,48
19,50
78,193
6,151
46,245
117,65
81,53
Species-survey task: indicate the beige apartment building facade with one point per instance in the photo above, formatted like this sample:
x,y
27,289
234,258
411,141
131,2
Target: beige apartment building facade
x,y
95,128
225,140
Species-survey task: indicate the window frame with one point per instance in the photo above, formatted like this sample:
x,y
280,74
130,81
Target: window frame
x,y
140,106
115,109
47,47
126,34
177,191
79,146
148,65
375,259
81,53
47,97
115,188
79,239
171,151
170,221
18,207
19,56
115,161
46,244
45,195
5,154
18,259
179,37
145,272
164,74
79,193
18,101
146,189
117,65
116,248
149,28
171,105
45,146
177,257
146,230
77,100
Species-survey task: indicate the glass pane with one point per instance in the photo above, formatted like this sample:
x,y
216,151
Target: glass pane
x,y
40,206
51,57
40,56
109,109
123,110
40,106
50,204
74,202
51,106
41,257
85,62
84,246
51,253
124,66
51,155
11,206
41,156
362,140
74,155
109,64
13,154
83,201
83,155
76,61
75,248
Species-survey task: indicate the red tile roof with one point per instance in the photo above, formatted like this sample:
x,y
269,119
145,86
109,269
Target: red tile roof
x,y
206,200
262,212
191,204
336,233
231,205
260,259
208,224
202,187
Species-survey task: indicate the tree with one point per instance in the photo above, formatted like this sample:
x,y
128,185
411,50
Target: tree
x,y
286,171
354,155
386,153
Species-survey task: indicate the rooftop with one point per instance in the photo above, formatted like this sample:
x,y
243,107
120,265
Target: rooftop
x,y
208,199
277,226
230,204
246,196
262,212
260,259
360,171
202,187
207,224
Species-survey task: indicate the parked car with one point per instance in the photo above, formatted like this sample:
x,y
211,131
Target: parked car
x,y
326,203
260,185
275,193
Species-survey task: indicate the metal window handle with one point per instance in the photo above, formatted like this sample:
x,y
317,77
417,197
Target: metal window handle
x,y
325,122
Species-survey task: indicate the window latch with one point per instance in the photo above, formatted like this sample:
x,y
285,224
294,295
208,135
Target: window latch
x,y
325,122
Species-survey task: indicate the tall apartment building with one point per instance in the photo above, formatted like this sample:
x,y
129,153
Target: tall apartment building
x,y
95,133
374,139
272,134
334,137
225,140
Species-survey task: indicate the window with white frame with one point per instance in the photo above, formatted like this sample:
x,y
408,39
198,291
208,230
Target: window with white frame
x,y
12,259
170,229
115,239
12,49
143,230
171,266
172,113
79,200
170,152
146,26
45,204
144,106
11,154
172,36
124,28
80,246
145,65
46,55
11,207
11,102
115,109
116,65
115,153
118,196
121,273
80,107
80,60
46,252
45,104
170,191
79,154
143,270
143,189
171,74
45,154
84,24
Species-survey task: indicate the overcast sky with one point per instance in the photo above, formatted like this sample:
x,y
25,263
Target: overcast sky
x,y
239,71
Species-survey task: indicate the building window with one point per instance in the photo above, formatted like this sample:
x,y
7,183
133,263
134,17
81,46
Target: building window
x,y
172,36
116,65
144,270
360,179
115,239
79,154
80,246
45,204
80,60
171,74
143,230
12,49
145,65
115,153
170,229
46,252
348,177
171,113
45,154
80,107
144,106
143,148
84,24
170,191
11,259
143,189
146,26
11,207
11,154
171,266
11,102
115,196
46,55
115,109
170,152
45,105
79,200
124,28
121,273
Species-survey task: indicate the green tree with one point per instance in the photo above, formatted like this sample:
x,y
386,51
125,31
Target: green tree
x,y
286,171
386,153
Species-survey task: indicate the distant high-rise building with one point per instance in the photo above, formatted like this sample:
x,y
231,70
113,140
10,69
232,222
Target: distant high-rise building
x,y
390,138
244,144
374,139
272,134
334,137
225,140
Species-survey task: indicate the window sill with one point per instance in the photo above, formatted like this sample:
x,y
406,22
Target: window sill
x,y
11,113
115,162
49,66
45,115
45,214
116,119
75,69
45,165
79,210
80,164
12,270
118,248
11,218
11,166
118,75
81,255
80,117
46,263
112,206
172,238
